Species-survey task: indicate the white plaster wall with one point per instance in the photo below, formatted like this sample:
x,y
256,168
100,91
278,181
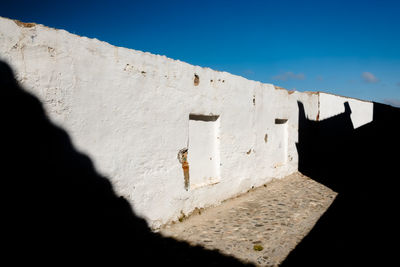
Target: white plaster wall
x,y
279,104
331,105
129,111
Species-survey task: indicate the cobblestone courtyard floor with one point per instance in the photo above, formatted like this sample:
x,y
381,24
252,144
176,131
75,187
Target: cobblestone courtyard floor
x,y
261,226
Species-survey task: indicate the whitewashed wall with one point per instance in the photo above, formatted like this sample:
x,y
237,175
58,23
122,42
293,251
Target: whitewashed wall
x,y
331,105
129,111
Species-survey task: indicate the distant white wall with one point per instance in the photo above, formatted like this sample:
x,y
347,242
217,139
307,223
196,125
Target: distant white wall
x,y
129,111
331,105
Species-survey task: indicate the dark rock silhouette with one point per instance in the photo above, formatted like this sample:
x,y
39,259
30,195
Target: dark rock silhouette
x,y
362,166
58,209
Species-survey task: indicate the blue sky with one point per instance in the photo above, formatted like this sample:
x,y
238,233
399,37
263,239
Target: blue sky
x,y
343,47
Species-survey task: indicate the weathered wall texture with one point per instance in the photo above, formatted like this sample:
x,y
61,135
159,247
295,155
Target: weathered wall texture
x,y
132,112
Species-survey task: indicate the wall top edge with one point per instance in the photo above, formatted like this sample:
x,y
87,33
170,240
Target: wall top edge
x,y
347,97
33,25
29,25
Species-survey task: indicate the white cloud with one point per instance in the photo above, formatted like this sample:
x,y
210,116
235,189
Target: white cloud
x,y
392,101
289,76
369,77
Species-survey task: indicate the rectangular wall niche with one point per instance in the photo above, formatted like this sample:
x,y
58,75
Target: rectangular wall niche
x,y
281,142
203,150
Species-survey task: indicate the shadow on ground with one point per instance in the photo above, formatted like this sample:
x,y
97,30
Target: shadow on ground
x,y
58,209
361,226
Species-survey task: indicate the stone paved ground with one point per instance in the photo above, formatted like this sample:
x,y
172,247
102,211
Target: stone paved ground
x,y
261,226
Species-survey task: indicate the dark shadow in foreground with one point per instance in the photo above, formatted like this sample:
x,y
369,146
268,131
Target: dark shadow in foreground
x,y
360,228
58,209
